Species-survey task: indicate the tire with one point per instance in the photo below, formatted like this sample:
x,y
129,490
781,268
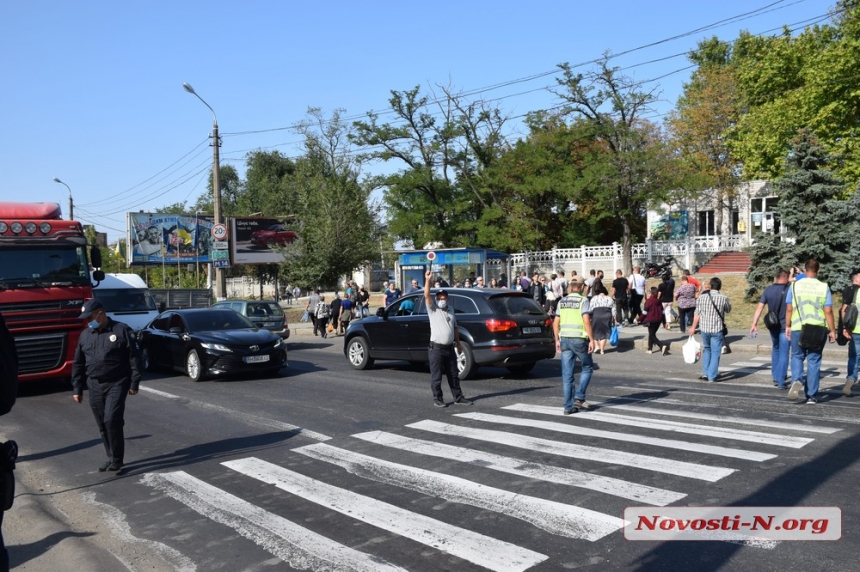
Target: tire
x,y
144,359
358,353
270,243
193,366
466,361
522,368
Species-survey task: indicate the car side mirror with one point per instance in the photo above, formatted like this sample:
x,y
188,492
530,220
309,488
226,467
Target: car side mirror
x,y
380,312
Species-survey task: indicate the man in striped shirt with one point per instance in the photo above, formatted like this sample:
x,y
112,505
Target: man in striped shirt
x,y
711,310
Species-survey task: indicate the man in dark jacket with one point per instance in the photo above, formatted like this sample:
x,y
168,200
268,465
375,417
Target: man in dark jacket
x,y
8,394
108,361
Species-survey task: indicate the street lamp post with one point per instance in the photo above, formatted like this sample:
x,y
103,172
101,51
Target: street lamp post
x,y
71,202
220,278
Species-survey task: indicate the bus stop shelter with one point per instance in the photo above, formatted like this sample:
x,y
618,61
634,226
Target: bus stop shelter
x,y
452,264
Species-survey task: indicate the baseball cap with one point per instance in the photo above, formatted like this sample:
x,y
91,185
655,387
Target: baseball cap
x,y
442,293
90,306
576,280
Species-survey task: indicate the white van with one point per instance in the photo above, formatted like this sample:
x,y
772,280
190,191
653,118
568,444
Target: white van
x,y
126,299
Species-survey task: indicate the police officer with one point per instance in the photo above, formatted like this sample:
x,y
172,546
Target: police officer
x,y
444,337
808,302
107,359
574,340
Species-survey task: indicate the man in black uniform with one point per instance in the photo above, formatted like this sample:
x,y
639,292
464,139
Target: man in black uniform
x,y
107,359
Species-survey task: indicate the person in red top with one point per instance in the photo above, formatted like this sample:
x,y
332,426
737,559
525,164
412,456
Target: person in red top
x,y
694,282
653,316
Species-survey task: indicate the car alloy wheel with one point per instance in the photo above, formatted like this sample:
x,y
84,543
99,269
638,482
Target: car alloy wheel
x,y
192,366
358,353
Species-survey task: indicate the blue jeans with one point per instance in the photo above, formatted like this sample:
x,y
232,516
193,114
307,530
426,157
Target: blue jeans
x,y
853,352
813,364
712,345
571,350
778,356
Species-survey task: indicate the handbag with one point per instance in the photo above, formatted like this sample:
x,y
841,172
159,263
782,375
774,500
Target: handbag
x,y
771,319
613,335
692,350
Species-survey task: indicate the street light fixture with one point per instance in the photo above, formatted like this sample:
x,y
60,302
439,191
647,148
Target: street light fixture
x,y
71,203
220,278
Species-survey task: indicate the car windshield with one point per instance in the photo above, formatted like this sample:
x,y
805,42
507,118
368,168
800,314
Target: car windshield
x,y
264,310
514,305
125,300
215,320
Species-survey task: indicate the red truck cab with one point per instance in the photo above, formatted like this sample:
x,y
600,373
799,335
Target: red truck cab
x,y
44,281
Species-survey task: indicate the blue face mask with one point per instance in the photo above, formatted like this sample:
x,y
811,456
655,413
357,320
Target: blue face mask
x,y
93,325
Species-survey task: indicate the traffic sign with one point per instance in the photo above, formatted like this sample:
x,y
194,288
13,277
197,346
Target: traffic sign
x,y
221,263
431,256
220,255
220,245
219,231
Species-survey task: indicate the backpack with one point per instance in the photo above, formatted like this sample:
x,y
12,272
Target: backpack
x,y
323,310
849,319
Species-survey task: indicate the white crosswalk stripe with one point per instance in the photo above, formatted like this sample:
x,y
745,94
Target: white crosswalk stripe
x,y
520,467
690,428
596,454
304,549
554,517
617,436
471,546
294,544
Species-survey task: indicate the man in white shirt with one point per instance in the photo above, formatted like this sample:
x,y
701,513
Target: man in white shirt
x,y
637,294
444,337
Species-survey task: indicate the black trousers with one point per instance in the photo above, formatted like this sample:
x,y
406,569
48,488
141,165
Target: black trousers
x,y
652,335
621,310
685,317
314,322
635,306
4,554
444,360
107,401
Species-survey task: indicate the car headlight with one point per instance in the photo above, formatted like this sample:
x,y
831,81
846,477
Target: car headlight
x,y
279,343
219,347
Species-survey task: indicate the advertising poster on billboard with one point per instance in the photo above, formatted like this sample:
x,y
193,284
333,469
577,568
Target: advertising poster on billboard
x,y
255,240
159,238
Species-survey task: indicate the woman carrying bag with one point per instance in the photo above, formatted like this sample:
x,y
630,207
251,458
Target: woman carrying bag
x,y
653,317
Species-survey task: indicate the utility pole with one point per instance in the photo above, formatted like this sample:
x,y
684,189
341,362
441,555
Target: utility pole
x,y
71,202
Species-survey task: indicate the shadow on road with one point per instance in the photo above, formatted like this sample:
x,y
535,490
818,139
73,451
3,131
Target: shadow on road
x,y
23,553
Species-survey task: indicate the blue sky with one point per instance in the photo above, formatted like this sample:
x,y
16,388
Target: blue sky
x,y
92,90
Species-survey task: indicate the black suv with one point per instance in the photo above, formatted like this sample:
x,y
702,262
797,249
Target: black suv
x,y
497,327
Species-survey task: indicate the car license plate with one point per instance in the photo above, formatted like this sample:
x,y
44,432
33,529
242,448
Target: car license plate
x,y
532,330
256,359
268,324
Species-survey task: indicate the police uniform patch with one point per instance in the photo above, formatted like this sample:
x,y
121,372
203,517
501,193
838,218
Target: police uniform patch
x,y
112,337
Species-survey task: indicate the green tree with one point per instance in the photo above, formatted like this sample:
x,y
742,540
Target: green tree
x,y
231,189
632,167
337,225
817,222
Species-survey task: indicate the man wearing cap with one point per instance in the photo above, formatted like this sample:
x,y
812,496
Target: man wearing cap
x,y
444,337
107,359
574,340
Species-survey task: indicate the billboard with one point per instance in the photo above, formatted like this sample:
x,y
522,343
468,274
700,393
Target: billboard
x,y
159,238
255,240
671,226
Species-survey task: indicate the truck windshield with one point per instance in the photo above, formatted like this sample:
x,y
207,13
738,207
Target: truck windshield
x,y
45,265
125,299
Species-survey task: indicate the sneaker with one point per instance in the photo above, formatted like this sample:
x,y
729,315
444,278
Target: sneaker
x,y
811,401
782,387
569,411
726,350
703,377
712,381
795,390
846,390
581,404
663,350
649,352
463,401
439,403
103,468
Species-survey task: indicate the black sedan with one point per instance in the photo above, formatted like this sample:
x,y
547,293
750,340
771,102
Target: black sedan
x,y
209,341
497,327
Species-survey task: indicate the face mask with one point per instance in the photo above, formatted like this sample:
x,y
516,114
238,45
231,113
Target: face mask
x,y
442,304
93,325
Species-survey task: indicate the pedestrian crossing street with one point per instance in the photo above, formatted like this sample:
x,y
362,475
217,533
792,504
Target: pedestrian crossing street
x,y
490,461
761,366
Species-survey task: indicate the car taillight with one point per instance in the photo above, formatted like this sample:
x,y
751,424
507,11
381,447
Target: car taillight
x,y
548,323
495,325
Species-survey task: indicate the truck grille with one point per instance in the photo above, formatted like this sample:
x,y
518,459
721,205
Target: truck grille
x,y
63,311
40,352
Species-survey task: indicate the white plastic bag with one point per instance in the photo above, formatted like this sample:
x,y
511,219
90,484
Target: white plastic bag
x,y
692,350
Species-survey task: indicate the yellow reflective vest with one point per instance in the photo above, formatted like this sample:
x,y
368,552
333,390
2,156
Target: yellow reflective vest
x,y
570,321
808,297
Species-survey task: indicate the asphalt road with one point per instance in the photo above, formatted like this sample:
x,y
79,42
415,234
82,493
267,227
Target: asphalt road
x,y
327,468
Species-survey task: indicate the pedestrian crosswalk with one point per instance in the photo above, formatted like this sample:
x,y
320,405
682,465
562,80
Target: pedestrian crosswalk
x,y
482,460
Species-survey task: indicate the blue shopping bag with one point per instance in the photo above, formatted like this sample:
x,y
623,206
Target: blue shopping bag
x,y
613,335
